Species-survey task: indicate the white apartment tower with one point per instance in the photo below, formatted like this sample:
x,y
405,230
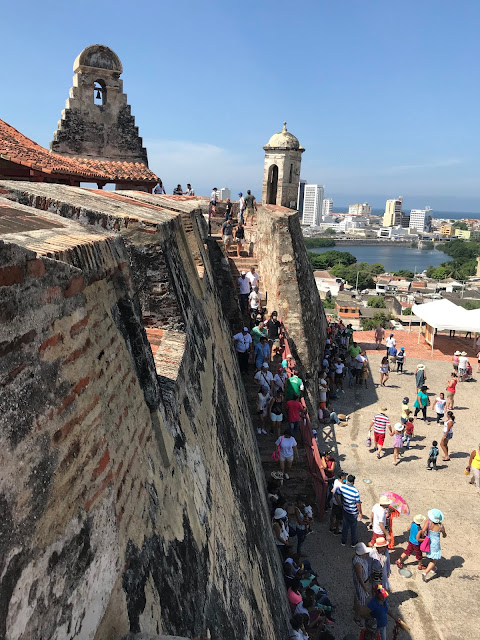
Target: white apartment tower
x,y
421,219
360,209
393,213
327,208
312,205
224,193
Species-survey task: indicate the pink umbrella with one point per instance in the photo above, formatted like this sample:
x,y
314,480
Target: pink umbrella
x,y
398,503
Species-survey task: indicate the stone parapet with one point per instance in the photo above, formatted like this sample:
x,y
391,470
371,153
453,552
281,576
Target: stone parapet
x,y
132,492
288,280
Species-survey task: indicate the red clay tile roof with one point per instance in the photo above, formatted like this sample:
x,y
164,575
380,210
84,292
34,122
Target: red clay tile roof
x,y
17,148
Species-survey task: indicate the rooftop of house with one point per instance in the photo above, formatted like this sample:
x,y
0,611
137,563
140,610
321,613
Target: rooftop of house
x,y
18,149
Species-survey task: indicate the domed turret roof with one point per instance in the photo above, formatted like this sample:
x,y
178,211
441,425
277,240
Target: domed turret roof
x,y
98,56
283,140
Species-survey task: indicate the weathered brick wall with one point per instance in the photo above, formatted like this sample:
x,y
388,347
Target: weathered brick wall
x,y
288,279
124,510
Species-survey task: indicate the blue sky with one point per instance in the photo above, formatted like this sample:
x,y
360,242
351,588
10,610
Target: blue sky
x,y
384,96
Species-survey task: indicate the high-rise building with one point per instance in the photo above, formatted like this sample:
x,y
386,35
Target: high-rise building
x,y
421,219
224,193
327,207
301,194
312,205
393,213
360,209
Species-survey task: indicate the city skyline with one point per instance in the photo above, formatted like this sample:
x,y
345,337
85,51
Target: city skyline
x,y
198,128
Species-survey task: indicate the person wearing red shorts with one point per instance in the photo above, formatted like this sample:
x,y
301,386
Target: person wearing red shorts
x,y
413,546
380,423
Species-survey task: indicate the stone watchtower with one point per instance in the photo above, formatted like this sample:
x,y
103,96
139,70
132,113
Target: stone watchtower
x,y
281,176
97,121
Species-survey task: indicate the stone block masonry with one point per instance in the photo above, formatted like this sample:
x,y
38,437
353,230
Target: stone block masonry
x,y
132,502
288,280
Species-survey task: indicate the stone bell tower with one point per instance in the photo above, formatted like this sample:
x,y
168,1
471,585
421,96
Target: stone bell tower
x,y
97,121
281,176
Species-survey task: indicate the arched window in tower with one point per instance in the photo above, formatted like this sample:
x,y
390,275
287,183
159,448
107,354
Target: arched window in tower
x,y
290,179
99,93
272,184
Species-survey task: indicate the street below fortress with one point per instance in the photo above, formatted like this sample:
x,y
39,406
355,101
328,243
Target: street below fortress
x,y
447,605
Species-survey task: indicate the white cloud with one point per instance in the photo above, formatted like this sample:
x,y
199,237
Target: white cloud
x,y
201,164
433,164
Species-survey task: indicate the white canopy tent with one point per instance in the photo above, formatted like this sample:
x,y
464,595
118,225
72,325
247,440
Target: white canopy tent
x,y
445,315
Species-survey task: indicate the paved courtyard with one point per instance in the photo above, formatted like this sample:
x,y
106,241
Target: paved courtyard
x,y
447,606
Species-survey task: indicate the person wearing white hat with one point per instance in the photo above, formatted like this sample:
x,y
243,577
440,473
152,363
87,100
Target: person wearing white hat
x,y
380,563
378,520
361,565
462,366
433,528
420,377
413,547
397,434
280,531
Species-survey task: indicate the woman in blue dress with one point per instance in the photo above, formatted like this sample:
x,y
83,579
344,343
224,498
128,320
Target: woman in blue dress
x,y
433,528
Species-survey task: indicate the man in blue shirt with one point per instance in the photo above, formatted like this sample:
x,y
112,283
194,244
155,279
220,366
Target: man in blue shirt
x,y
377,608
352,510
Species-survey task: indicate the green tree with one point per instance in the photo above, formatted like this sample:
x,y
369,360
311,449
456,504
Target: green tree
x,y
380,318
330,231
377,268
460,225
377,302
437,273
471,304
404,273
407,311
328,303
330,258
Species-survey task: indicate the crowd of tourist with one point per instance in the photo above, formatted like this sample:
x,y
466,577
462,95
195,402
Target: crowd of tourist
x,y
280,403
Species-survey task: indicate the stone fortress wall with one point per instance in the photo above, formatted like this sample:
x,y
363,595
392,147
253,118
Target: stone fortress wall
x,y
288,280
131,488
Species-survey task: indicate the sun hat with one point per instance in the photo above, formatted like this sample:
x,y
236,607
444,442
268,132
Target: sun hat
x,y
384,501
361,548
419,519
398,426
464,353
380,542
279,513
435,515
406,400
244,273
265,365
457,353
421,366
289,356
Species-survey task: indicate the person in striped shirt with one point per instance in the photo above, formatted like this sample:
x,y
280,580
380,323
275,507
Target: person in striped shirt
x,y
352,510
380,423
